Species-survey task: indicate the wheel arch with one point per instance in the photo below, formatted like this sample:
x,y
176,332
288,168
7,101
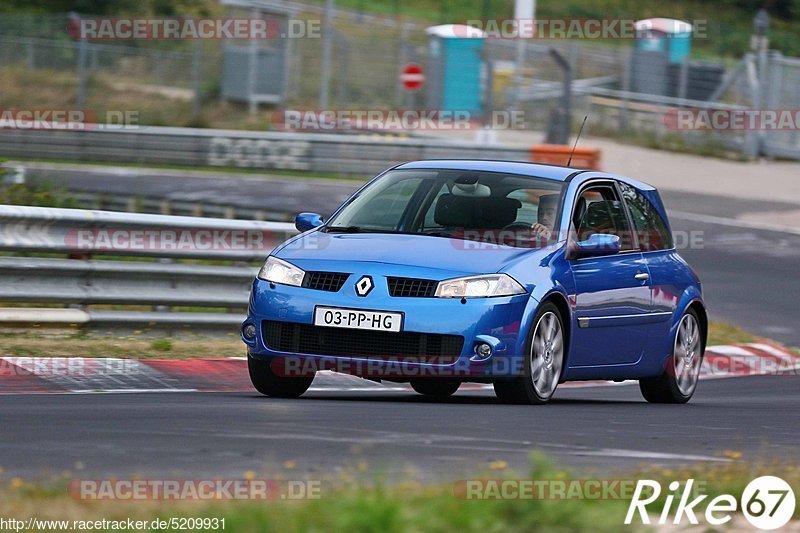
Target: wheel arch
x,y
700,309
562,304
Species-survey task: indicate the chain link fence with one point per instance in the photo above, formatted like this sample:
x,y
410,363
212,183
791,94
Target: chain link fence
x,y
624,92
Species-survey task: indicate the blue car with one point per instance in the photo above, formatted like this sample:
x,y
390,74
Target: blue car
x,y
521,275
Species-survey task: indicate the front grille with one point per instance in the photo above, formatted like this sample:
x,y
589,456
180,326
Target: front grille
x,y
324,281
412,287
340,342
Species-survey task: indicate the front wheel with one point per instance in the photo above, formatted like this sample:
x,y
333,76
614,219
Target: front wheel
x,y
436,388
268,383
679,380
541,368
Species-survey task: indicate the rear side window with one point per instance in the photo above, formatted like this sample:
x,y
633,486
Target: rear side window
x,y
650,227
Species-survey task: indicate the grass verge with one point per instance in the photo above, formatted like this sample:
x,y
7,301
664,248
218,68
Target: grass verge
x,y
370,503
43,343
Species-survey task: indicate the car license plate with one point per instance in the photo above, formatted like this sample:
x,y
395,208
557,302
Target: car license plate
x,y
335,317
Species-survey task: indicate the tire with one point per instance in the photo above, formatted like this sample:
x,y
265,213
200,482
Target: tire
x,y
435,388
543,362
679,381
268,383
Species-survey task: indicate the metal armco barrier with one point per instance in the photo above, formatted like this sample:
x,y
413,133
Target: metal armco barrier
x,y
84,232
81,281
340,153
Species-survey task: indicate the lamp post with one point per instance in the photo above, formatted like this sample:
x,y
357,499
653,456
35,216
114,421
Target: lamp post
x,y
760,45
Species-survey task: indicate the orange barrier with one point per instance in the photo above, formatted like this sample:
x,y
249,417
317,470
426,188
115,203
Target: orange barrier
x,y
558,154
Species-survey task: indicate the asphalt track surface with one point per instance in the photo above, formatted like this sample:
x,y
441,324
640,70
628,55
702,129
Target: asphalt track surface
x,y
605,428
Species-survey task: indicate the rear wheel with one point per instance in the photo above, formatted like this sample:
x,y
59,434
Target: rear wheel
x,y
679,380
268,383
541,369
437,388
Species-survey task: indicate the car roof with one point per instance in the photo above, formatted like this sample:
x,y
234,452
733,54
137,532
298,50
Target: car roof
x,y
537,170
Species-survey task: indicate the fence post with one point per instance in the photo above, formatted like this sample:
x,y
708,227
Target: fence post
x,y
30,54
82,50
196,96
327,44
626,87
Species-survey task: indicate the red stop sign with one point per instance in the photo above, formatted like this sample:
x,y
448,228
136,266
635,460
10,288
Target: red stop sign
x,y
412,77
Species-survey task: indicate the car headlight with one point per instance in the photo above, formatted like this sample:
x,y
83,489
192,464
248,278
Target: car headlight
x,y
479,287
278,271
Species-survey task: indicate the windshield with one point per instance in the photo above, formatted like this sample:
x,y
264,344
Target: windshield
x,y
492,207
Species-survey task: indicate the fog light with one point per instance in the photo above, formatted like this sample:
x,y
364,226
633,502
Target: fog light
x,y
483,350
249,332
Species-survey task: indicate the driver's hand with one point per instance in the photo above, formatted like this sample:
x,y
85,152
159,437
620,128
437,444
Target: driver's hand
x,y
541,231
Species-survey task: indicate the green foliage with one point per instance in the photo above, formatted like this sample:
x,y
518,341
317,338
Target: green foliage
x,y
45,194
161,345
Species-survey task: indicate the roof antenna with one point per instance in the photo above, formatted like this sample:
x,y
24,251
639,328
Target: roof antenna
x,y
576,140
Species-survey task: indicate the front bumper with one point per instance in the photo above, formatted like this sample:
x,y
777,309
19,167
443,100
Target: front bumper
x,y
498,321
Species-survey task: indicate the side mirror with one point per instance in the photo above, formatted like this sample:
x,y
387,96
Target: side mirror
x,y
597,244
306,221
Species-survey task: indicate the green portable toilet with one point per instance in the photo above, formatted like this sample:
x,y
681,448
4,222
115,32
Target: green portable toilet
x,y
661,45
669,36
455,63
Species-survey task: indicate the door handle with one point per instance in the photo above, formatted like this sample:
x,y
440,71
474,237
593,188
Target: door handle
x,y
642,276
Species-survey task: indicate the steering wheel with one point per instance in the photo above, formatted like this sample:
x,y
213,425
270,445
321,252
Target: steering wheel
x,y
516,226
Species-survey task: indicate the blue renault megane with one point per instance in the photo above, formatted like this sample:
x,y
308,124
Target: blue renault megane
x,y
516,274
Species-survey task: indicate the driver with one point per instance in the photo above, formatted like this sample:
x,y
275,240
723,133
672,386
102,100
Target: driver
x,y
546,216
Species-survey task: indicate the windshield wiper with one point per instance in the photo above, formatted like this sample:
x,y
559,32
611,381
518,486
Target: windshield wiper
x,y
361,229
435,233
356,229
343,229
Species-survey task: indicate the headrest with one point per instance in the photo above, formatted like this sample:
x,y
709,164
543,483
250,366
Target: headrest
x,y
548,200
475,213
601,215
498,212
467,185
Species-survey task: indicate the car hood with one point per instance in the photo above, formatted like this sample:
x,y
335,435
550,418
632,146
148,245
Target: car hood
x,y
456,256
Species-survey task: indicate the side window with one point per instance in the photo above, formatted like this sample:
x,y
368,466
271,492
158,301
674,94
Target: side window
x,y
527,213
650,227
538,205
599,210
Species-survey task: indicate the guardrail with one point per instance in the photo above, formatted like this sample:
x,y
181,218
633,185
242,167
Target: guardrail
x,y
318,152
80,280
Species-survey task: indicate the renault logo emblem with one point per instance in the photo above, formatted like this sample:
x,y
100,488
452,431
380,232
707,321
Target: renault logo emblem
x,y
364,285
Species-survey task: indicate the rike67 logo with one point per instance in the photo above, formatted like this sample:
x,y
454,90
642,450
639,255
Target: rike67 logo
x,y
768,503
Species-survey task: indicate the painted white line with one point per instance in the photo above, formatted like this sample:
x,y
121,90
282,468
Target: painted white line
x,y
732,222
128,391
110,391
636,454
729,351
772,350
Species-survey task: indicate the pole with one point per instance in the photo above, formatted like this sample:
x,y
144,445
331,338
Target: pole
x,y
523,9
252,70
327,43
196,96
